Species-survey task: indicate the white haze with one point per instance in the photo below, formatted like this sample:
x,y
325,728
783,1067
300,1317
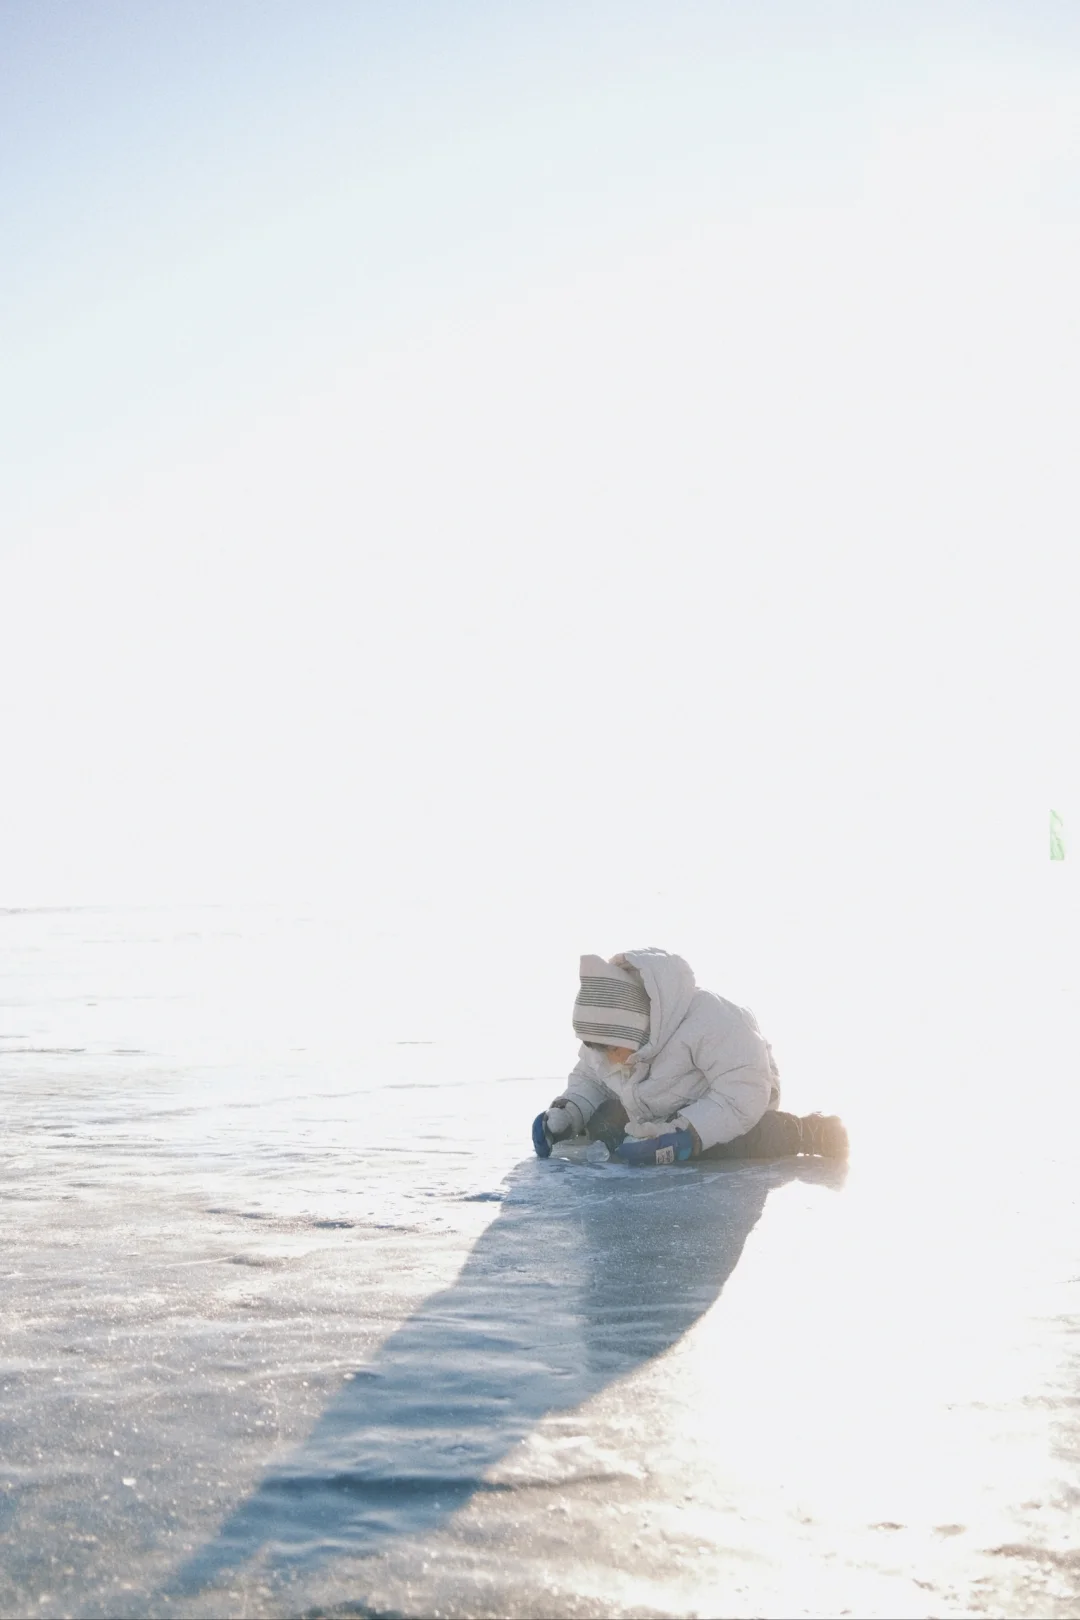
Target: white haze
x,y
568,480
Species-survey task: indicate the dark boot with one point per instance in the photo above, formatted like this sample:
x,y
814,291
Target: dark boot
x,y
823,1134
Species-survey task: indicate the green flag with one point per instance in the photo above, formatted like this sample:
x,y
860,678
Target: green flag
x,y
1057,837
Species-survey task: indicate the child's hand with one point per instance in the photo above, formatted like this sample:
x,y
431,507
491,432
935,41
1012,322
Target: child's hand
x,y
673,1147
561,1120
540,1139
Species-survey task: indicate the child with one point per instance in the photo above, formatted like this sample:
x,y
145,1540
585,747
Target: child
x,y
669,1072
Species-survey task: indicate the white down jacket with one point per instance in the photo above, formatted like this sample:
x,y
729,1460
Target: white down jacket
x,y
705,1059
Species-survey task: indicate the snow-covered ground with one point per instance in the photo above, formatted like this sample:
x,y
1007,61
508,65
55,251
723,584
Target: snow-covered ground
x,y
294,1323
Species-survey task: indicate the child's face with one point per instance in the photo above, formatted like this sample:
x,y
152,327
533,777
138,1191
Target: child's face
x,y
618,1054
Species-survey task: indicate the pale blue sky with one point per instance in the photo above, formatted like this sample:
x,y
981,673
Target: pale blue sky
x,y
204,201
527,446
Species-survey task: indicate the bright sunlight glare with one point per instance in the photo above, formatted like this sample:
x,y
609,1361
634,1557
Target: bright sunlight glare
x,y
569,479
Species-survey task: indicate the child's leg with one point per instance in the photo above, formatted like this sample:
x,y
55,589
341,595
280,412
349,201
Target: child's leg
x,y
779,1136
775,1136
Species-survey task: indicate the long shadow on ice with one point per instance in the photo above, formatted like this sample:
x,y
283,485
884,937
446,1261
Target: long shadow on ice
x,y
584,1274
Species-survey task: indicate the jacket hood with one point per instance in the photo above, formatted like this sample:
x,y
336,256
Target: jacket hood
x,y
670,986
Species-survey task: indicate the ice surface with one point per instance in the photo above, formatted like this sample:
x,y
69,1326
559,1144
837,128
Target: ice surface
x,y
293,1322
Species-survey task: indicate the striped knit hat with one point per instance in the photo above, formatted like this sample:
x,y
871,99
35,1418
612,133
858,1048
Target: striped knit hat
x,y
612,1008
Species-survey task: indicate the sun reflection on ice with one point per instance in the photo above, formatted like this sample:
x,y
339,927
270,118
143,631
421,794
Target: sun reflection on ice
x,y
864,1421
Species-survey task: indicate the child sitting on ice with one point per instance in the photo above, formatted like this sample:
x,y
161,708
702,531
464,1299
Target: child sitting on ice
x,y
669,1072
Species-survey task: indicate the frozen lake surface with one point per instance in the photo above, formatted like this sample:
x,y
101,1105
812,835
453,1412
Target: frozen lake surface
x,y
294,1323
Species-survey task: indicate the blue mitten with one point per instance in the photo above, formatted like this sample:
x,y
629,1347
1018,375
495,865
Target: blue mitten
x,y
564,1118
671,1148
540,1137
